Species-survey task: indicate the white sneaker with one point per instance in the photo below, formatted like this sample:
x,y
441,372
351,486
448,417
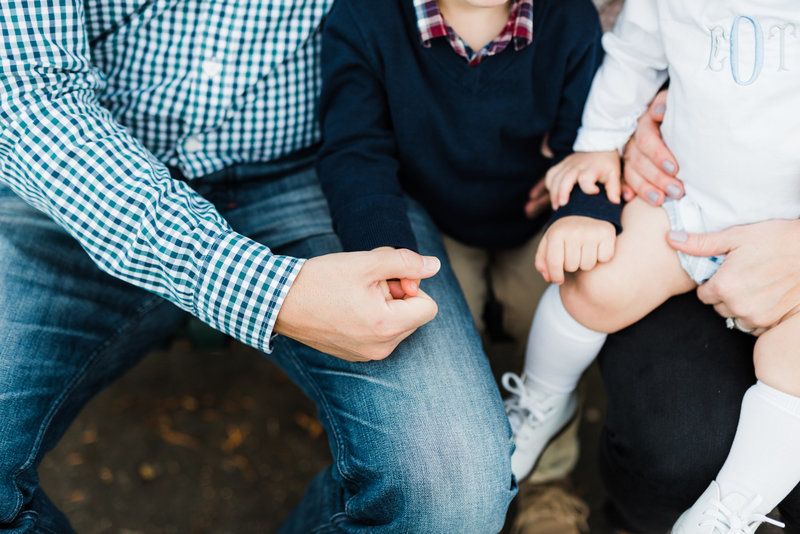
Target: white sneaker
x,y
732,515
536,418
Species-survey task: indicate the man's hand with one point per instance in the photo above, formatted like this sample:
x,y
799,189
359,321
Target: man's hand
x,y
574,243
341,304
759,281
650,168
587,169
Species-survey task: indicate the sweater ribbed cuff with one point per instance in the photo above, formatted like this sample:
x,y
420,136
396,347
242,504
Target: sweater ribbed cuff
x,y
375,222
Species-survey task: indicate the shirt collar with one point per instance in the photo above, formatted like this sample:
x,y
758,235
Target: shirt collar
x,y
431,24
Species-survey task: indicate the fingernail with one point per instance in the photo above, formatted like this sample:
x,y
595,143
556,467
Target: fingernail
x,y
412,287
678,236
652,196
628,195
668,166
661,108
431,263
673,191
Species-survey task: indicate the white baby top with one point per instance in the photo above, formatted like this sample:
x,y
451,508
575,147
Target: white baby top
x,y
733,108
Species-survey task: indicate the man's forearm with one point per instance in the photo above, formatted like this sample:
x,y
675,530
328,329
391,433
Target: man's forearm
x,y
65,155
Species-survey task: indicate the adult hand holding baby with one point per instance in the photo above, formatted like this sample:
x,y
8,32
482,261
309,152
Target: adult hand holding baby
x,y
759,281
649,167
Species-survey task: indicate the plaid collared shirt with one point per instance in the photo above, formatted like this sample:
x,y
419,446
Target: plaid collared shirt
x,y
96,95
518,29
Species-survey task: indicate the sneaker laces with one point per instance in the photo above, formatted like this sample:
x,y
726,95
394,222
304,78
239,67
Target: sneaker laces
x,y
724,521
522,406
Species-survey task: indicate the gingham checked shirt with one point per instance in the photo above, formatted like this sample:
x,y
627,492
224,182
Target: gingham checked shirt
x,y
518,29
96,95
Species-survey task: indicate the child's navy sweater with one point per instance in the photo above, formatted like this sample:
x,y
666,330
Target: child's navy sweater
x,y
462,141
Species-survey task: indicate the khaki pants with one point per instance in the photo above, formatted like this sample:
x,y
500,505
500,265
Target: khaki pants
x,y
515,282
517,287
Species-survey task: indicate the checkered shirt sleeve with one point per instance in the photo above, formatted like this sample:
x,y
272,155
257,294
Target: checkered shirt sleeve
x,y
74,143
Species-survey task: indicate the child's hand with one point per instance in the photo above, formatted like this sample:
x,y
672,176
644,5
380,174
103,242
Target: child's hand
x,y
573,243
402,288
587,169
399,288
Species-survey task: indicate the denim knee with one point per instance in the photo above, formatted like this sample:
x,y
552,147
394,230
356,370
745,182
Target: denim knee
x,y
463,484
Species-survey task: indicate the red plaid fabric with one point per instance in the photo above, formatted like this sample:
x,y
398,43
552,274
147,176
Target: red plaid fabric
x,y
518,29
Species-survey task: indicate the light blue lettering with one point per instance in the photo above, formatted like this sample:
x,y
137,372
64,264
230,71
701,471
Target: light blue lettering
x,y
758,61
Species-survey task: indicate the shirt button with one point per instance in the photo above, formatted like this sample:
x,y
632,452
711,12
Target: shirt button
x,y
192,144
211,68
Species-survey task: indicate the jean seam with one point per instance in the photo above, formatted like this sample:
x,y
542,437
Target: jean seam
x,y
59,401
35,516
323,403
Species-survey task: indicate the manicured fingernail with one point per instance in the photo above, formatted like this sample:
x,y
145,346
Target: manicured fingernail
x,y
431,263
679,236
668,166
661,108
412,286
627,195
652,196
673,191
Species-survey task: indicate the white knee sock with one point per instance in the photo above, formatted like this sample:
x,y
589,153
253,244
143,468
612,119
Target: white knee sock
x,y
559,347
764,456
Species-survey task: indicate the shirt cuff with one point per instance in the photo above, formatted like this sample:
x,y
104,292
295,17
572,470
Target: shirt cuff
x,y
597,140
242,287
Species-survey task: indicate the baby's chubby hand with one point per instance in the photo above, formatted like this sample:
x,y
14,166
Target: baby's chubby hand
x,y
574,242
587,169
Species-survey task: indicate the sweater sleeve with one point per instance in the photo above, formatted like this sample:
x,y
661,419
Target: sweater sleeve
x,y
595,206
582,65
633,69
357,163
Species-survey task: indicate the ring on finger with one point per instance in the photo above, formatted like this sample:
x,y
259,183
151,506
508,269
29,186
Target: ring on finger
x,y
733,322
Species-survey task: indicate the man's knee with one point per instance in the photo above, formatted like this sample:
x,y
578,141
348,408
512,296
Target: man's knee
x,y
462,483
448,471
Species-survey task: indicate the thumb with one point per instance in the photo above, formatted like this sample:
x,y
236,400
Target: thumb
x,y
402,263
711,244
412,312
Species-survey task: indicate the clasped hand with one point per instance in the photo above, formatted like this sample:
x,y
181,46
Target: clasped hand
x,y
342,304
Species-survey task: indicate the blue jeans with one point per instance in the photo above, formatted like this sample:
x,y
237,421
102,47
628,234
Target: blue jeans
x,y
420,440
